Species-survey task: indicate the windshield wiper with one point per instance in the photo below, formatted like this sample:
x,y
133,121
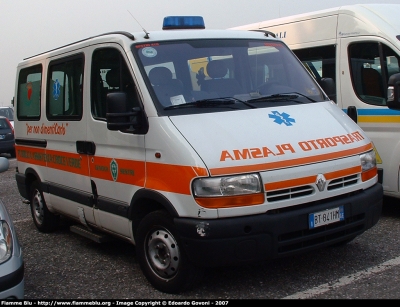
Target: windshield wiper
x,y
206,103
279,97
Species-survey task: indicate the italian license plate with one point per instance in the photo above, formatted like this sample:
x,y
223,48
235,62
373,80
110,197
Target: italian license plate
x,y
326,217
2,136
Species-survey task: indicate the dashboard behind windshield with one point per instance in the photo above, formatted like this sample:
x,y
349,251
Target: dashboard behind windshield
x,y
181,72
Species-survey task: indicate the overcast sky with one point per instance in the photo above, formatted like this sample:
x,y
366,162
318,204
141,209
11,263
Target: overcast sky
x,y
32,27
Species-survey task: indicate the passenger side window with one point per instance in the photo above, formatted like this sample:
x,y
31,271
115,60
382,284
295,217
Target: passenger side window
x,y
371,66
29,93
64,89
319,61
110,73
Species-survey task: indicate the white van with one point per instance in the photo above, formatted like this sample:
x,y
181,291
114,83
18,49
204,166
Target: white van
x,y
358,47
175,141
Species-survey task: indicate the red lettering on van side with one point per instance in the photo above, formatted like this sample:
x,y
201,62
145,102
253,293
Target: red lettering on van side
x,y
267,151
245,154
225,155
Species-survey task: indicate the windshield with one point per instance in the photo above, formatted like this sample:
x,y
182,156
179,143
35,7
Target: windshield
x,y
193,76
7,112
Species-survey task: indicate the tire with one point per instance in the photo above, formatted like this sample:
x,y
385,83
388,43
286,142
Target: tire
x,y
44,220
160,256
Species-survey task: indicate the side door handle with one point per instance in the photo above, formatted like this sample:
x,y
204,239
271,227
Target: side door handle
x,y
86,147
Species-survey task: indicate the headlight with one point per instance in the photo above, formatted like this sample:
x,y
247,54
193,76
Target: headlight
x,y
368,165
5,241
235,185
231,191
368,160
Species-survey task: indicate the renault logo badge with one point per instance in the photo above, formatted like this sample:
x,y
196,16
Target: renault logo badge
x,y
321,182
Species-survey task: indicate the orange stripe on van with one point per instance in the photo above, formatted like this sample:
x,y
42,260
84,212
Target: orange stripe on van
x,y
286,184
128,171
289,162
289,183
172,178
69,162
30,155
163,177
231,201
343,173
371,173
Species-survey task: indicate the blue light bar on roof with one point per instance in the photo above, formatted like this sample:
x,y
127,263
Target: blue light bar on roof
x,y
183,22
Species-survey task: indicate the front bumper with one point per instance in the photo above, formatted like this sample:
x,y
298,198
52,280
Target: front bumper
x,y
233,241
7,145
12,284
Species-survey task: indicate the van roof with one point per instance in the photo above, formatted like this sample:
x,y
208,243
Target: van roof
x,y
355,20
389,11
127,38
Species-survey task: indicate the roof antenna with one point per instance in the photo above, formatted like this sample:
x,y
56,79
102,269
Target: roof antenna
x,y
147,34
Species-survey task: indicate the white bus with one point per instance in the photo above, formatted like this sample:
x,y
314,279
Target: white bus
x,y
358,47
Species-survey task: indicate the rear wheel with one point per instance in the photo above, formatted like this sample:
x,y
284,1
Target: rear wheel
x,y
161,256
44,220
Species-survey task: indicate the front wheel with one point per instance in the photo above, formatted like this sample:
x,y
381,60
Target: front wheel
x,y
161,256
44,220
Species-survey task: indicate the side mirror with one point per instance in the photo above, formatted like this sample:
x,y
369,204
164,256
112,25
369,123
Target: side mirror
x,y
4,164
352,113
329,87
118,118
393,92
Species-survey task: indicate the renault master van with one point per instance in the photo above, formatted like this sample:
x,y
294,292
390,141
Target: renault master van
x,y
201,147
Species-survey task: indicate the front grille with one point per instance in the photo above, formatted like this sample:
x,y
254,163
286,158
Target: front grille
x,y
289,193
320,202
305,190
342,182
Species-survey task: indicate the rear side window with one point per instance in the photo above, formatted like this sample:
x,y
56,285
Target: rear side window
x,y
4,124
29,93
319,61
64,89
7,112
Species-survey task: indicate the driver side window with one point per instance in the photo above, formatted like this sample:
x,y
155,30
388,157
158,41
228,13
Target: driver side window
x,y
110,73
371,70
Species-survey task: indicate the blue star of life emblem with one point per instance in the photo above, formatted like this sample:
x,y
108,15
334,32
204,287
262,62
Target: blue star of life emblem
x,y
56,89
280,118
